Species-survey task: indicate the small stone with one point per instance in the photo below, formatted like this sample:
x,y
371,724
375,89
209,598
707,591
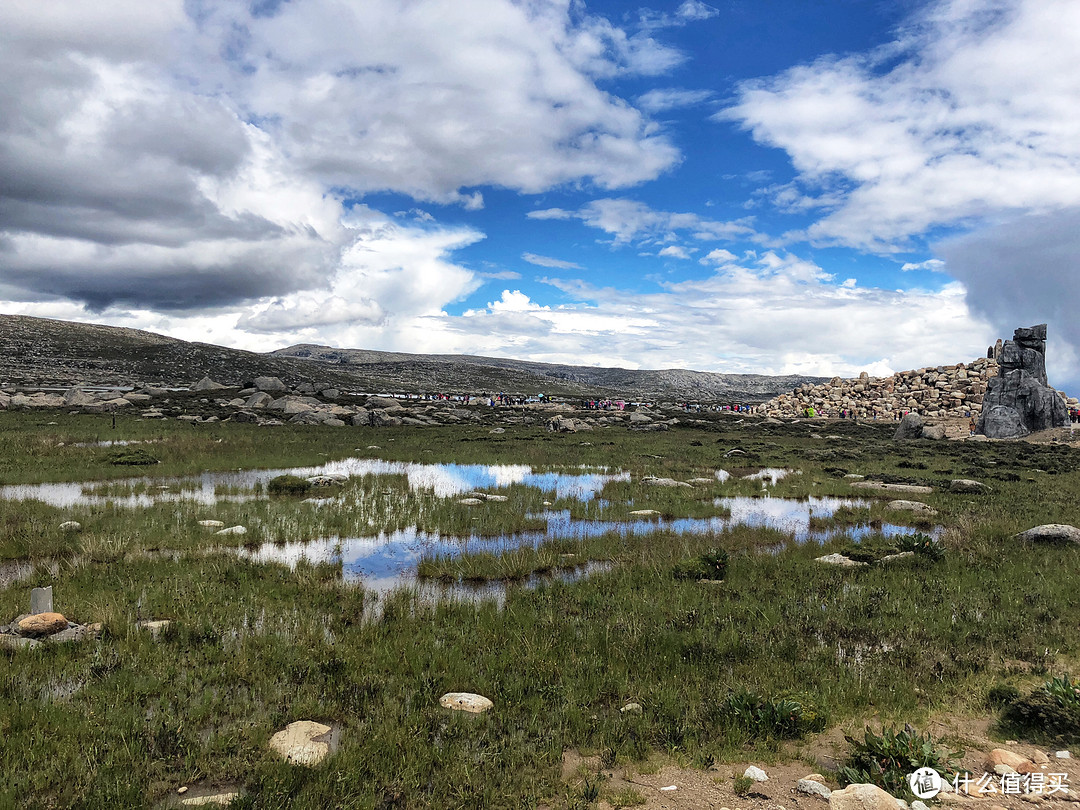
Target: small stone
x,y
465,702
70,526
1002,757
220,799
1040,758
41,600
42,624
917,507
1063,755
631,708
840,560
919,805
1001,769
155,626
644,512
755,773
182,789
812,787
862,797
470,501
304,742
966,485
232,530
211,524
669,788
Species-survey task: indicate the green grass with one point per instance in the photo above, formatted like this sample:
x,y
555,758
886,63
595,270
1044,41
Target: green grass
x,y
123,721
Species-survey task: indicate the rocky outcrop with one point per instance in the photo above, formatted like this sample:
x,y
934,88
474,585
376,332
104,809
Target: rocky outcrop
x,y
953,391
1019,399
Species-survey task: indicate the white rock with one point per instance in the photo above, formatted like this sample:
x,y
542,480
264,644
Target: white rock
x,y
1063,755
232,530
755,773
631,708
470,501
220,799
70,526
670,788
155,626
211,524
304,742
465,702
841,560
812,787
644,512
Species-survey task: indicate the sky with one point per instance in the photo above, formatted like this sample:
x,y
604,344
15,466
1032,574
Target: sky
x,y
746,186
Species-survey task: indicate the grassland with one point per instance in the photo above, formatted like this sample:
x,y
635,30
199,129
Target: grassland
x,y
123,721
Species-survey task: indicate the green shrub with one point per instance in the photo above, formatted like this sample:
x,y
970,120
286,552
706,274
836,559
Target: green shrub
x,y
710,565
922,544
784,717
288,485
743,785
1051,712
886,759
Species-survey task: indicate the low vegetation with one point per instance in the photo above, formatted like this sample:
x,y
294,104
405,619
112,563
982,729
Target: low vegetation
x,y
124,721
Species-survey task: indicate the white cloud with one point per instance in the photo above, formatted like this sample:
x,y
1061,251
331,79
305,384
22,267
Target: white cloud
x,y
547,261
718,256
629,220
660,100
692,10
972,112
675,252
933,265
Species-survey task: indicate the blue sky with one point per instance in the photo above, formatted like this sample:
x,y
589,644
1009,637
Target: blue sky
x,y
773,186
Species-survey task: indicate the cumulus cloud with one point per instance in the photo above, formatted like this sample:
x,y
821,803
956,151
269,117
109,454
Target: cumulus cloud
x,y
547,261
186,155
933,265
675,252
630,220
970,113
776,314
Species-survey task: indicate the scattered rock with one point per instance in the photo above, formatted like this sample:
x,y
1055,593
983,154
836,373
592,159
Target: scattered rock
x,y
812,787
966,485
42,624
911,427
631,708
644,513
918,507
1050,533
220,799
1003,758
861,797
755,773
465,702
304,742
933,432
653,481
206,384
70,526
272,384
470,501
882,487
902,555
16,642
1063,755
233,530
154,626
840,560
1040,758
211,524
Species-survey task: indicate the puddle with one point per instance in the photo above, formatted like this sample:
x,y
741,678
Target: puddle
x,y
387,561
444,479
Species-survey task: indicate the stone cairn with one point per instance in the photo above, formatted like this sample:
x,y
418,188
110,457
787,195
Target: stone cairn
x,y
942,392
1020,400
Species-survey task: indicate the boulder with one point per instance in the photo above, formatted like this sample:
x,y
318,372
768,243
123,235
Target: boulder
x,y
966,485
206,384
77,398
42,624
387,403
465,702
361,417
935,432
653,481
70,526
918,507
862,797
1020,400
911,427
259,399
882,487
155,627
840,560
232,530
1003,758
271,384
304,742
1050,533
812,787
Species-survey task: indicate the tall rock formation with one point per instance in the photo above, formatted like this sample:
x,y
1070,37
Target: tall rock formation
x,y
1019,400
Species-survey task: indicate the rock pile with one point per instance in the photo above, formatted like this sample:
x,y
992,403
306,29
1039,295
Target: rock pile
x,y
1019,399
953,391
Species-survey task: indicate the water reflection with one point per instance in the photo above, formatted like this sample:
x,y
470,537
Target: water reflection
x,y
388,561
444,479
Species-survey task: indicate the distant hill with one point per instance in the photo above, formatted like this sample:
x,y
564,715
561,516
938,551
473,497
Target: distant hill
x,y
452,372
46,352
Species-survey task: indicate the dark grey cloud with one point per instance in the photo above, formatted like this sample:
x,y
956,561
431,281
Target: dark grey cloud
x,y
1022,272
